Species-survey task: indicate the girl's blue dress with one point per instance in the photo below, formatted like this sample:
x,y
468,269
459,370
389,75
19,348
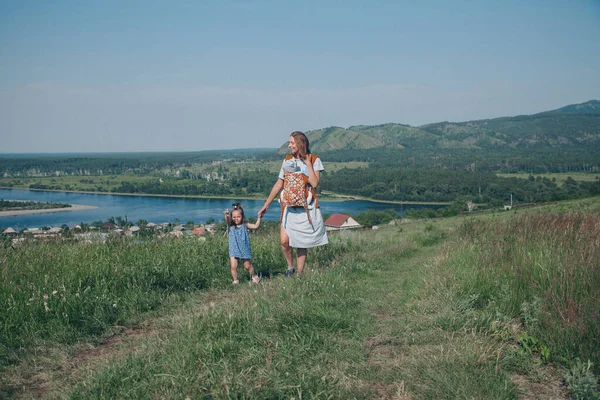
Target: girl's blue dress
x,y
239,242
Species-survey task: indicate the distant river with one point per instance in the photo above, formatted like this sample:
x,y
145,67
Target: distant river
x,y
159,209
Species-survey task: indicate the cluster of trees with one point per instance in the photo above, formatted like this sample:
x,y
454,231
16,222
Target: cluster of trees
x,y
122,163
373,217
381,183
173,188
501,159
431,185
8,205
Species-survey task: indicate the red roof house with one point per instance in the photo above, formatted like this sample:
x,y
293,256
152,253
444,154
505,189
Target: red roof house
x,y
337,222
198,231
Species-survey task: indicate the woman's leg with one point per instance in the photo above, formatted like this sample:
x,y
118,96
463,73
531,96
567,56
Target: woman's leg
x,y
300,259
234,264
285,246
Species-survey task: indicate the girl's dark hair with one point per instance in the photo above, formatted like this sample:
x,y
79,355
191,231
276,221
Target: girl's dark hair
x,y
236,206
302,143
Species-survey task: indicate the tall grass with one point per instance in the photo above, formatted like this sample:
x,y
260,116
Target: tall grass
x,y
61,291
543,269
348,331
295,339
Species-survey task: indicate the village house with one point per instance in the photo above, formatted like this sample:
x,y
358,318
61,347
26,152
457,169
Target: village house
x,y
339,222
211,228
198,231
54,231
109,229
10,232
132,230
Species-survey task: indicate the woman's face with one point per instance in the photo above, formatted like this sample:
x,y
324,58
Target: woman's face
x,y
293,146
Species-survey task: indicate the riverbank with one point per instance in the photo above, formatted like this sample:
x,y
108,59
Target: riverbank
x,y
74,207
325,195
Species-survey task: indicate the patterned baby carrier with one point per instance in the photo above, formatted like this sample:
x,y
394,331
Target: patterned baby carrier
x,y
296,190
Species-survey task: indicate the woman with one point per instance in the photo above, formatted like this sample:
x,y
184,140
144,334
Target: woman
x,y
300,228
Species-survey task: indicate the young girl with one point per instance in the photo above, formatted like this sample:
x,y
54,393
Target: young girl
x,y
239,241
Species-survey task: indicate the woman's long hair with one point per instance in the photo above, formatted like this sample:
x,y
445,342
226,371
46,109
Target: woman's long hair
x,y
302,143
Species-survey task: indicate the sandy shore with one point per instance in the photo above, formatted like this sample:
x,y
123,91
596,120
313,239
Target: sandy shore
x,y
74,207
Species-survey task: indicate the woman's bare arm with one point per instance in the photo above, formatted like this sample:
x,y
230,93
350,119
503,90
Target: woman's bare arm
x,y
313,176
274,192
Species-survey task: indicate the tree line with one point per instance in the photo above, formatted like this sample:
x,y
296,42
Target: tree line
x,y
11,205
431,185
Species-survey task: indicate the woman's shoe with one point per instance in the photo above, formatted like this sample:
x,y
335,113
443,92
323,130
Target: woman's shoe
x,y
289,272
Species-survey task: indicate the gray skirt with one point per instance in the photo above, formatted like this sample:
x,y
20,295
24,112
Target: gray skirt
x,y
302,233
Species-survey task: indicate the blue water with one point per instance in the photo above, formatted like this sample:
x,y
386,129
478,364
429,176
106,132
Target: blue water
x,y
158,209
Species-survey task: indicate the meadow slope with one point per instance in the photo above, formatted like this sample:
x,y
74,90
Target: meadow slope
x,y
489,306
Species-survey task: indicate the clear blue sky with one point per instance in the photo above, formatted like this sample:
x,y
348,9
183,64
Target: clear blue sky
x,y
87,76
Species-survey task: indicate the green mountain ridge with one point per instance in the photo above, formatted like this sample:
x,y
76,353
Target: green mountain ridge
x,y
576,125
589,107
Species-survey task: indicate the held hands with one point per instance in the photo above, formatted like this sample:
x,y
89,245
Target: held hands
x,y
262,211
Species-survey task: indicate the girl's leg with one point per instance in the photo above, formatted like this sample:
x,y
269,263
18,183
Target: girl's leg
x,y
285,247
249,268
300,259
234,264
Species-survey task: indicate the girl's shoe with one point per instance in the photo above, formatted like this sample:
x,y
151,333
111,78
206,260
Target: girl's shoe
x,y
236,282
255,279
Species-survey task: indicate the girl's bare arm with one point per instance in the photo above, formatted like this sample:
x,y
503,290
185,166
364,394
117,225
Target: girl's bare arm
x,y
256,225
227,216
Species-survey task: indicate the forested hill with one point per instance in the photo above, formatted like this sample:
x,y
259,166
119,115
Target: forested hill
x,y
589,107
575,126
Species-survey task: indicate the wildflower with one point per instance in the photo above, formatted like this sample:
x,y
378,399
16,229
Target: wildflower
x,y
114,305
54,292
46,307
45,296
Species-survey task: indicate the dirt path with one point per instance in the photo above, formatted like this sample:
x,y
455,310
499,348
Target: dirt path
x,y
413,350
50,375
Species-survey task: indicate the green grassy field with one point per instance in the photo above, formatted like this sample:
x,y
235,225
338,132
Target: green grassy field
x,y
559,177
496,306
274,166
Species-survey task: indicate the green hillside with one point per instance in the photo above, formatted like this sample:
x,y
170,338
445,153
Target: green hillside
x,y
589,107
576,126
